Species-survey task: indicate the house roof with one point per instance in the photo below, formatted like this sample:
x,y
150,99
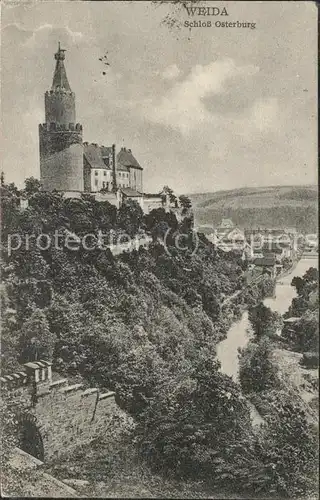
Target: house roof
x,y
273,248
93,155
264,261
106,150
230,234
226,223
131,193
125,158
152,195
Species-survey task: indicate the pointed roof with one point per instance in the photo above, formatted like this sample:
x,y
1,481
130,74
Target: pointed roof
x,y
94,156
60,80
125,158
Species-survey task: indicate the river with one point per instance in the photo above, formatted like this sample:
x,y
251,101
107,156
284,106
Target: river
x,y
239,333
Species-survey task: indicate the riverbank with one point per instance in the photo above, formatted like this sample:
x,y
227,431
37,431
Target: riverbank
x,y
239,335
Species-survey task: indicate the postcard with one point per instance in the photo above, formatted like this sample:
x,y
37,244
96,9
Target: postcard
x,y
159,249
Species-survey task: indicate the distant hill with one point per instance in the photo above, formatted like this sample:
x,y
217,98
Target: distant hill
x,y
274,206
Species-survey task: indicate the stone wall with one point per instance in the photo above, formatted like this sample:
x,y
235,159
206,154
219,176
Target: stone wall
x,y
61,158
64,415
152,203
60,106
135,179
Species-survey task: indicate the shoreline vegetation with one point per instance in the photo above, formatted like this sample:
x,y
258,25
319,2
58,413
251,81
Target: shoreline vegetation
x,y
146,324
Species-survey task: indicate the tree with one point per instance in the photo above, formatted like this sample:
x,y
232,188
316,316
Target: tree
x,y
9,336
8,427
36,339
32,186
185,203
257,372
263,320
298,283
170,193
178,430
130,217
303,336
311,275
267,286
290,448
307,283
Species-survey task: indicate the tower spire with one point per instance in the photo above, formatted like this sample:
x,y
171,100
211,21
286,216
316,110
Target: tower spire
x,y
60,137
60,80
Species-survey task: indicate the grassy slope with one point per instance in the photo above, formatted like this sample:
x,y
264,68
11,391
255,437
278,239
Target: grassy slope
x,y
275,206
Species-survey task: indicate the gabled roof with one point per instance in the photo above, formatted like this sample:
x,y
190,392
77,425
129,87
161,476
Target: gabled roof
x,y
106,150
93,155
226,223
264,261
273,248
125,158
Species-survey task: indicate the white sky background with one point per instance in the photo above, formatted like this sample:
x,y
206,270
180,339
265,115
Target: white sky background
x,y
214,108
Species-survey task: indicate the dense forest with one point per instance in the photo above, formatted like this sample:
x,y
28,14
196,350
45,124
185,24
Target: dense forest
x,y
145,324
277,206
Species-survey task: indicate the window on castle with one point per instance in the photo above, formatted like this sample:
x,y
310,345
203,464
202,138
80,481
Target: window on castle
x,y
96,172
104,173
96,182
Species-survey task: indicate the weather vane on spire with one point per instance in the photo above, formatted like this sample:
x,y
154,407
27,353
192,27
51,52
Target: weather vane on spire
x,y
59,56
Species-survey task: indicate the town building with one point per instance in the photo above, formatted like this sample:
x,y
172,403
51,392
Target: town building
x,y
266,265
228,237
226,224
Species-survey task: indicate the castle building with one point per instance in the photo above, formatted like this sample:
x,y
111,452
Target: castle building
x,y
98,167
60,137
106,170
128,167
72,166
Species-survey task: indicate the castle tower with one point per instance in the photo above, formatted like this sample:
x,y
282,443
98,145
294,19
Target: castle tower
x,y
60,137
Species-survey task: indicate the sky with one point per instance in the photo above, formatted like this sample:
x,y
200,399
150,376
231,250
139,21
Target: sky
x,y
203,109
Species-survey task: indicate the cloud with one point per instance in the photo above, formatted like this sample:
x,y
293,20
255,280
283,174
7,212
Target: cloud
x,y
38,33
183,107
43,32
74,35
171,72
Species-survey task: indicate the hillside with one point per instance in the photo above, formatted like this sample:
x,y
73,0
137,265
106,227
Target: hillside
x,y
274,206
146,325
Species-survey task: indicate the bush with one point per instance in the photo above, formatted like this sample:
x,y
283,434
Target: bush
x,y
257,372
290,449
310,360
263,320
